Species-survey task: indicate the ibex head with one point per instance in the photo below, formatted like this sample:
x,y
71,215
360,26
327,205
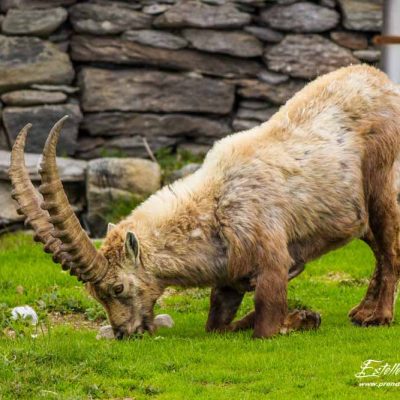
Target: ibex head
x,y
113,274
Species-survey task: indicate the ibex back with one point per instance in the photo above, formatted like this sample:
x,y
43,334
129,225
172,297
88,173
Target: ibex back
x,y
319,173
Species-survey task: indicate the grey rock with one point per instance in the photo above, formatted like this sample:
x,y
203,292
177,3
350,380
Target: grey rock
x,y
34,22
199,15
114,180
274,78
133,175
153,91
260,115
156,9
28,60
151,125
106,19
244,124
238,44
154,38
265,34
301,17
6,5
362,15
8,211
351,40
195,148
61,35
69,169
276,94
183,172
119,51
4,142
369,55
42,119
56,88
328,3
253,104
32,97
307,56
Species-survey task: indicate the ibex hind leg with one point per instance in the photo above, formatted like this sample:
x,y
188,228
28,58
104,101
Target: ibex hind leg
x,y
377,306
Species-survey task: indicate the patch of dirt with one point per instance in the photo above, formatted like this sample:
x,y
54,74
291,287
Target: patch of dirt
x,y
76,320
342,278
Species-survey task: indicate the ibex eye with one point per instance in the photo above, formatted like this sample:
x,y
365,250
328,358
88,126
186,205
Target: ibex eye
x,y
118,289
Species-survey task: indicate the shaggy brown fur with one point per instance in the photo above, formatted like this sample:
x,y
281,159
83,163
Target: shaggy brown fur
x,y
266,201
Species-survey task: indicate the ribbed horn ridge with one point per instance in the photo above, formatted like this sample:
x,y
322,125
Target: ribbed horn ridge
x,y
88,264
28,198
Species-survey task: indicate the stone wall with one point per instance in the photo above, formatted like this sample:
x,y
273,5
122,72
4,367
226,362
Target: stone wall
x,y
178,73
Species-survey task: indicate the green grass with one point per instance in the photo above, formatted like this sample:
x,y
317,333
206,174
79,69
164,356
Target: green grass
x,y
185,362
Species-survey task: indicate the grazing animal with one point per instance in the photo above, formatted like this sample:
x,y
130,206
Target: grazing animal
x,y
318,174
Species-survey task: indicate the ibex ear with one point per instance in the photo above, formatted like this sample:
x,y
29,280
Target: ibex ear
x,y
132,245
110,227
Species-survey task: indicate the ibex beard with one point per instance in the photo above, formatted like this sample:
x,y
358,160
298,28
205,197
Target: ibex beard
x,y
318,174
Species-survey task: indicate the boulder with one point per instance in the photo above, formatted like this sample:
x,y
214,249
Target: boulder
x,y
276,94
8,212
120,51
107,19
69,169
368,55
42,119
56,88
351,40
239,124
154,38
151,125
183,172
156,9
362,15
260,115
273,78
264,34
300,17
27,60
72,173
117,182
34,22
307,56
32,97
191,13
195,148
240,44
6,5
153,91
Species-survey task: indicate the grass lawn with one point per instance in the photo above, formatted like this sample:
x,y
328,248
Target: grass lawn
x,y
185,362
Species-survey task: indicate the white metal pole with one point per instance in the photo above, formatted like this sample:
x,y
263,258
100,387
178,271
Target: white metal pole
x,y
391,52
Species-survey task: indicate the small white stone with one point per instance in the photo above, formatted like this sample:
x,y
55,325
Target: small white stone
x,y
25,312
105,332
163,320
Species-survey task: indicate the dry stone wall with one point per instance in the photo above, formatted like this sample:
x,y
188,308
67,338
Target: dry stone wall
x,y
181,73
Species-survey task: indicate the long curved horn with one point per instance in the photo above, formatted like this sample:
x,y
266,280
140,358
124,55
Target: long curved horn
x,y
28,198
89,264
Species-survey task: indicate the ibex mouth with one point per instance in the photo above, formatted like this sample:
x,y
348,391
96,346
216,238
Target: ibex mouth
x,y
53,220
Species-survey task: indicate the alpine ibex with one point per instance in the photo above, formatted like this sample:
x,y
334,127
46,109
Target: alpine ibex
x,y
266,201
